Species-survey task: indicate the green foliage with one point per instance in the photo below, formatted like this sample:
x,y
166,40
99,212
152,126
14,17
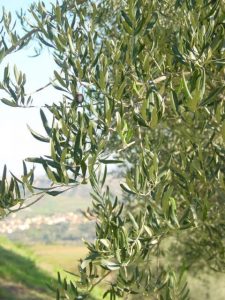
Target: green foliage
x,y
142,86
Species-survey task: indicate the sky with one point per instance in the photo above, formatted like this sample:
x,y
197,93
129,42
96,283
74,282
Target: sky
x,y
16,142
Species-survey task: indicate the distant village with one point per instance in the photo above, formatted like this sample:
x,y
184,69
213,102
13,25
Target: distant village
x,y
13,224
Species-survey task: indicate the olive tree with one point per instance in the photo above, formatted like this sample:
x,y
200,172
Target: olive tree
x,y
142,89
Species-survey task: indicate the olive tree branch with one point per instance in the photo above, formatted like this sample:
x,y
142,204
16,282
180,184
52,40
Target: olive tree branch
x,y
98,281
21,41
35,201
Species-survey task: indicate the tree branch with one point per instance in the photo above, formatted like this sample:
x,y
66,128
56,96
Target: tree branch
x,y
98,281
21,41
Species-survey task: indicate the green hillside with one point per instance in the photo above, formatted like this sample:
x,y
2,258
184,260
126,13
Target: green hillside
x,y
20,277
26,272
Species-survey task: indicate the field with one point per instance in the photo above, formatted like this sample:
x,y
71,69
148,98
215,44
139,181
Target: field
x,y
55,258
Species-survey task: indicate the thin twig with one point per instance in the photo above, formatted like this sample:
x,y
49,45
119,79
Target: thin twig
x,y
98,281
140,232
127,146
21,41
26,206
43,87
36,200
39,90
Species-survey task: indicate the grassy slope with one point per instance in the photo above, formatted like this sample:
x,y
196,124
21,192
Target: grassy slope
x,y
26,272
20,278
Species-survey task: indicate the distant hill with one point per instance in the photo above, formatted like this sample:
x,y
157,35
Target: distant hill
x,y
73,200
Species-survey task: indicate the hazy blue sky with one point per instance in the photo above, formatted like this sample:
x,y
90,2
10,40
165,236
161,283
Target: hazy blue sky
x,y
16,141
15,4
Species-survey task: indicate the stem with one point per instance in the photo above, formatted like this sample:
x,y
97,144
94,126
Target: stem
x,y
21,41
35,201
100,280
28,205
40,89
